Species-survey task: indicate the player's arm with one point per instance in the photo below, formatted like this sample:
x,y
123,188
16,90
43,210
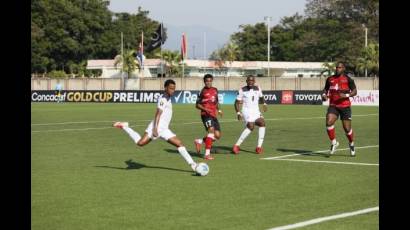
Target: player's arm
x,y
201,107
262,101
237,105
198,104
326,89
218,107
156,122
352,87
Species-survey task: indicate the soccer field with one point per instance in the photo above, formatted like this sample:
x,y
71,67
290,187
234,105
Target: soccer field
x,y
87,175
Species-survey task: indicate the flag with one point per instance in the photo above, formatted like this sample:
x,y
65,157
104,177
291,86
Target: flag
x,y
183,47
140,54
157,39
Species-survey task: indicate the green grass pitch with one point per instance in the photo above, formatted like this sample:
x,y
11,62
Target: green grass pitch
x,y
87,175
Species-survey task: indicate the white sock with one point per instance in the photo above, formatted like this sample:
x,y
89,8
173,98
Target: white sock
x,y
334,141
199,141
207,152
185,155
134,135
261,136
243,136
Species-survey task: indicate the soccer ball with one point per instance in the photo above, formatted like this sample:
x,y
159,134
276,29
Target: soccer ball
x,y
202,169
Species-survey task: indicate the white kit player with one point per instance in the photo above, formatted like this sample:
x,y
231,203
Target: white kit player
x,y
159,126
250,96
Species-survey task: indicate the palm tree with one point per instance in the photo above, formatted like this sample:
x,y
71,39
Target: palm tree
x,y
172,60
329,68
228,53
128,63
369,59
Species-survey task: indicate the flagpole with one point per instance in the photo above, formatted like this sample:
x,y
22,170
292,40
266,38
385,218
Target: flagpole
x,y
160,48
122,60
183,55
142,53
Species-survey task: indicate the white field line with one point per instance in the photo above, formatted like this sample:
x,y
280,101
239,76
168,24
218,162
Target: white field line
x,y
320,151
76,122
175,123
227,120
327,218
329,162
84,129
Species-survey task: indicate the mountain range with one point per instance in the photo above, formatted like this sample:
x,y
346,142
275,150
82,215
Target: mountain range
x,y
214,39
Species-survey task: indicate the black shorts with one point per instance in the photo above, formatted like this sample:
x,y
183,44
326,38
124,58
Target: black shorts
x,y
209,121
345,113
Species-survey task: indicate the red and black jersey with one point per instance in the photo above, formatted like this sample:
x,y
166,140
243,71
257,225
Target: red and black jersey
x,y
336,85
208,98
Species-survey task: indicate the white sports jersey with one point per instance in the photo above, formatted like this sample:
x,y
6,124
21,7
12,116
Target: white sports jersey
x,y
164,103
250,98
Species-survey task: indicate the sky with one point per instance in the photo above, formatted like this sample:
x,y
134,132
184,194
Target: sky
x,y
223,15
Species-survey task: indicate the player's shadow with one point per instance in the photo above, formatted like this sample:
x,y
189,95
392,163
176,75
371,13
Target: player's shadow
x,y
193,154
214,150
135,165
303,152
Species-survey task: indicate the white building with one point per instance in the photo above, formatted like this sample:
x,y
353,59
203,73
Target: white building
x,y
197,68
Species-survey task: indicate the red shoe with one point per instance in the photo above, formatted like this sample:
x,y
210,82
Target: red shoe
x,y
259,150
209,157
236,149
120,125
197,147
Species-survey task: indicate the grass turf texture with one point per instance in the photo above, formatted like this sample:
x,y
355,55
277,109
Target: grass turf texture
x,y
90,176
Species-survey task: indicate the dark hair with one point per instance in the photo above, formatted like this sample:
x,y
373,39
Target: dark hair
x,y
340,62
168,82
208,76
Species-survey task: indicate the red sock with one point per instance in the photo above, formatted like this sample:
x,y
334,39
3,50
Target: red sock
x,y
350,135
331,132
208,143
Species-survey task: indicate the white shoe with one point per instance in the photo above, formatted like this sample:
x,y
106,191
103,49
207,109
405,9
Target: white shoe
x,y
333,148
120,125
193,166
352,152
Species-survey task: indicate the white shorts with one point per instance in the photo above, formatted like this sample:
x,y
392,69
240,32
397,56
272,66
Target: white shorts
x,y
164,133
251,116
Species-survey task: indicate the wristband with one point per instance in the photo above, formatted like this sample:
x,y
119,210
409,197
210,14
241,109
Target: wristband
x,y
347,95
219,111
238,113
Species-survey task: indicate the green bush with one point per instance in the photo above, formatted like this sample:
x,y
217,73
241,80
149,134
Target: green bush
x,y
57,74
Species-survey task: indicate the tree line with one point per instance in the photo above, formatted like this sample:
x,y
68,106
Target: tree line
x,y
67,33
330,31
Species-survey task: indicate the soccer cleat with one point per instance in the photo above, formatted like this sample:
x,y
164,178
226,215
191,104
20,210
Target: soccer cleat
x,y
198,146
209,157
120,125
352,152
333,148
259,150
193,166
236,149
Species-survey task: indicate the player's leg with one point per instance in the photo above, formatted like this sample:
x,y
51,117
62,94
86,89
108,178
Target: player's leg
x,y
261,123
245,133
124,126
210,137
346,118
198,141
331,117
144,140
175,141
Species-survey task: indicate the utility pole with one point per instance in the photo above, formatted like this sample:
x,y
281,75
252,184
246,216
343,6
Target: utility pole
x,y
268,18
